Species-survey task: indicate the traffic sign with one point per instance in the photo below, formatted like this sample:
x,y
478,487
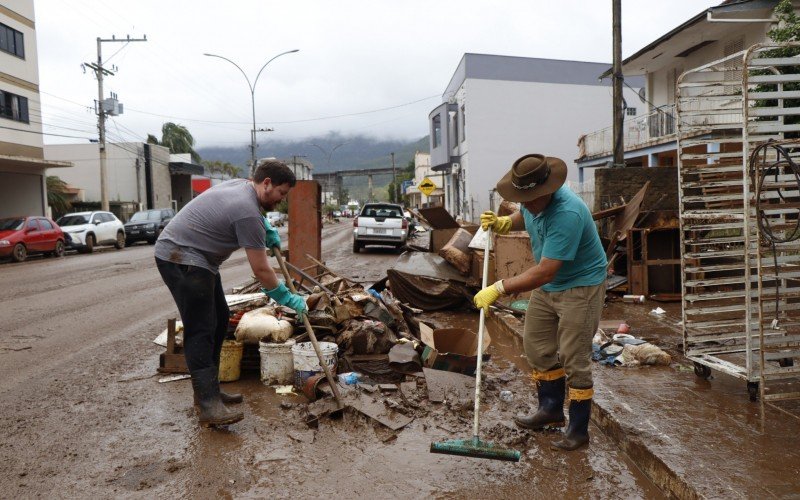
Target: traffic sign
x,y
426,186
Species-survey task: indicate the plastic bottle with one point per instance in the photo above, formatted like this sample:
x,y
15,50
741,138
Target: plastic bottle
x,y
349,378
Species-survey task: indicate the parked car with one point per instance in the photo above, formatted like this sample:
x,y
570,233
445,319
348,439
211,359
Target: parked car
x,y
146,225
85,230
380,224
23,236
277,219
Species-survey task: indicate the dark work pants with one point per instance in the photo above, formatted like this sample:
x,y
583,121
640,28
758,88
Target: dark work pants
x,y
201,302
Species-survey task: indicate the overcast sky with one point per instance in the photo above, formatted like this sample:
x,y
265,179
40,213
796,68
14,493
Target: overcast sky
x,y
384,63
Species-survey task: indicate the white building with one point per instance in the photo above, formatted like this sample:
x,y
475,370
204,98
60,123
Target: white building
x,y
140,175
422,171
22,165
498,108
650,139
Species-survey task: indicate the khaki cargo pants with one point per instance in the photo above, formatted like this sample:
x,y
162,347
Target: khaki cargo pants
x,y
559,327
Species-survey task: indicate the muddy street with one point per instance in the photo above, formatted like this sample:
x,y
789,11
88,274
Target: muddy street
x,y
83,413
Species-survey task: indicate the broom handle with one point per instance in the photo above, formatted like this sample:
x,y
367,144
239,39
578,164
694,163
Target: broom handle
x,y
276,251
481,325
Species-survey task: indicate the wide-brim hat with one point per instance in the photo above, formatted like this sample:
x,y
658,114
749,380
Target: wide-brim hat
x,y
532,176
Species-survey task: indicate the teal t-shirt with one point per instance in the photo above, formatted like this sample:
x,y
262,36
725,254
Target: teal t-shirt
x,y
565,231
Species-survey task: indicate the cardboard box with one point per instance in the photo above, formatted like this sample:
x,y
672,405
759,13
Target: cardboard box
x,y
440,237
512,257
452,349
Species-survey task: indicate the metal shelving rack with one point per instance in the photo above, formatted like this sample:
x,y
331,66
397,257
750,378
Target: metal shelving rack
x,y
725,111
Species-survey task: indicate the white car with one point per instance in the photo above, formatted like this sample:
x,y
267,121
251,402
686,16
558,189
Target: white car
x,y
380,224
85,230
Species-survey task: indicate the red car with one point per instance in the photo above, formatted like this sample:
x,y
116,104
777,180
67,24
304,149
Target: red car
x,y
21,236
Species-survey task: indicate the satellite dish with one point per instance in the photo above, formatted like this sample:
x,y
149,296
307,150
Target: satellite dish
x,y
642,95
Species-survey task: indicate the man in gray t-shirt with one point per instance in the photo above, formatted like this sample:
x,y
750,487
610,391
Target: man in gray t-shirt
x,y
188,255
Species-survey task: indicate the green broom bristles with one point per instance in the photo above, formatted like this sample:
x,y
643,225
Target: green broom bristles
x,y
474,448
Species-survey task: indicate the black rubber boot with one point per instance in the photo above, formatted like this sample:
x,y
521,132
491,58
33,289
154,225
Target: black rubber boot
x,y
227,398
551,406
213,412
577,434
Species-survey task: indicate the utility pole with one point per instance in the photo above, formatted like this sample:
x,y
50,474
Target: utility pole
x,y
394,181
100,71
619,143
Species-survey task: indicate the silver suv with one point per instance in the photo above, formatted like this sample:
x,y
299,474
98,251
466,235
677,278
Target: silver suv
x,y
84,230
380,224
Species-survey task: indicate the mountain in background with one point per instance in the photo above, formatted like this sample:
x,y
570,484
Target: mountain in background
x,y
357,152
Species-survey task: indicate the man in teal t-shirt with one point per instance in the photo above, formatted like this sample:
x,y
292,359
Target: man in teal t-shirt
x,y
567,287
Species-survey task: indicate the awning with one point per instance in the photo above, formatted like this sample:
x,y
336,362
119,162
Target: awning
x,y
28,162
183,168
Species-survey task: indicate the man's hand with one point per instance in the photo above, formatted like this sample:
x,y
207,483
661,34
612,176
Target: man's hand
x,y
500,225
488,296
284,297
273,239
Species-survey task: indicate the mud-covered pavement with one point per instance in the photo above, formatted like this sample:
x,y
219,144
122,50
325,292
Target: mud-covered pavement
x,y
83,413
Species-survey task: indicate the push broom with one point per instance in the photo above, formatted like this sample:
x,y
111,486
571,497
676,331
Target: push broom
x,y
474,447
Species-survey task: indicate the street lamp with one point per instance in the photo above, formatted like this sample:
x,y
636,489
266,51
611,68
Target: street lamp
x,y
253,101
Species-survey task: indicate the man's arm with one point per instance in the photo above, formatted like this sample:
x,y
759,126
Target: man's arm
x,y
517,221
259,263
541,274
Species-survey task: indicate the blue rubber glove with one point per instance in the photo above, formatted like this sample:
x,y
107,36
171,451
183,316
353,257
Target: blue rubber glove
x,y
272,240
284,297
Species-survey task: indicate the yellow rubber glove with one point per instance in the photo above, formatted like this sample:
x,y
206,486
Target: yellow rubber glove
x,y
500,225
488,296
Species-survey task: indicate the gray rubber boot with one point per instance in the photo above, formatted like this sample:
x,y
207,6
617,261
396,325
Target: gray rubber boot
x,y
212,412
551,407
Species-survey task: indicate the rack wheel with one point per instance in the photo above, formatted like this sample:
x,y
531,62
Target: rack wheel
x,y
752,390
786,362
702,370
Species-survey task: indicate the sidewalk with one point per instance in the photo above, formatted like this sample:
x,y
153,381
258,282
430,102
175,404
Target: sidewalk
x,y
694,438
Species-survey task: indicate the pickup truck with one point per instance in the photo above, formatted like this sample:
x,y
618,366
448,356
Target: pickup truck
x,y
380,224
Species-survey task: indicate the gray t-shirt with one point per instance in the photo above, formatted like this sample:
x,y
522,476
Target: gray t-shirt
x,y
212,226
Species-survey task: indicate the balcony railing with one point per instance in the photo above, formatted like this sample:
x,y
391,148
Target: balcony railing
x,y
638,131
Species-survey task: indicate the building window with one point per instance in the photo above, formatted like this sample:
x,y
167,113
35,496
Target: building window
x,y
436,134
12,41
13,106
630,111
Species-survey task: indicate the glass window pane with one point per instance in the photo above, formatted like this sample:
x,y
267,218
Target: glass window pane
x,y
23,109
19,44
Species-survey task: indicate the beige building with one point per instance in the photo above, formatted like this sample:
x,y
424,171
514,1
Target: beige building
x,y
422,170
22,165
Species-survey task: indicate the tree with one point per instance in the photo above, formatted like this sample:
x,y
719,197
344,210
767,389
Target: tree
x,y
56,195
222,169
786,30
177,138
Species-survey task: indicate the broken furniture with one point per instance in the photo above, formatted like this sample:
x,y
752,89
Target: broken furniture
x,y
172,359
654,260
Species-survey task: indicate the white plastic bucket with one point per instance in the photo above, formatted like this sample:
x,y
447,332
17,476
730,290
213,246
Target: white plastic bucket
x,y
277,365
306,363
